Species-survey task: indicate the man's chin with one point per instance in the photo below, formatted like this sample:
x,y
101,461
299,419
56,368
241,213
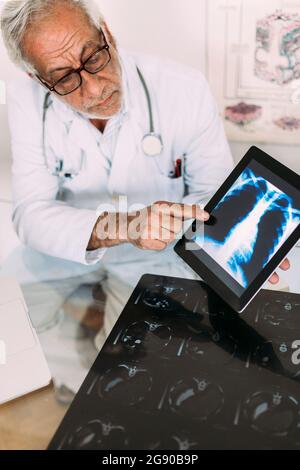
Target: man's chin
x,y
111,108
103,115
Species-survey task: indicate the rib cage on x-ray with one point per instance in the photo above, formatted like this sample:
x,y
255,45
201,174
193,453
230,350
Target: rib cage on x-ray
x,y
250,224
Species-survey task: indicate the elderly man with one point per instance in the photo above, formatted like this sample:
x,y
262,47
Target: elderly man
x,y
95,130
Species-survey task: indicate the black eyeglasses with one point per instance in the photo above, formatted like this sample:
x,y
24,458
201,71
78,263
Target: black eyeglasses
x,y
70,82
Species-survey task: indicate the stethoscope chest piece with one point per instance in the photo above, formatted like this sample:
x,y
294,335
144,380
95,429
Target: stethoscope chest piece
x,y
152,144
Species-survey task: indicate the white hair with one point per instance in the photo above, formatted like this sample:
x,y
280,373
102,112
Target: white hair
x,y
18,15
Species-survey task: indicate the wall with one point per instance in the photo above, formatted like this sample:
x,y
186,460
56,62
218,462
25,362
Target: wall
x,y
170,28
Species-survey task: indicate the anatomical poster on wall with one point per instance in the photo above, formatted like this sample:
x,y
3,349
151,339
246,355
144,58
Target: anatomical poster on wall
x,y
253,66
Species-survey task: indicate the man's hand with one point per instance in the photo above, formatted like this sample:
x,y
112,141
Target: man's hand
x,y
157,226
285,265
151,228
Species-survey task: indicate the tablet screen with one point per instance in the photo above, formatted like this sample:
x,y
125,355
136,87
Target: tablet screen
x,y
249,225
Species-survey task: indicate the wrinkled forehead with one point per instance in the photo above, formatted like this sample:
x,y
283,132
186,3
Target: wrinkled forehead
x,y
63,35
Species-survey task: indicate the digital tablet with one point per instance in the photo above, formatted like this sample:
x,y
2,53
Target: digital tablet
x,y
254,223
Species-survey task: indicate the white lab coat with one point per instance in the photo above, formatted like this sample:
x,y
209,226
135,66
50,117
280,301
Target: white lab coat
x,y
186,116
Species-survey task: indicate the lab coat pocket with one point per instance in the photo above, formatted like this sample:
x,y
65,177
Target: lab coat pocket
x,y
171,189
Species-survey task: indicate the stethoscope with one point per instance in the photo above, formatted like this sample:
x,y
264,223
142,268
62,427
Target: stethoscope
x,y
152,144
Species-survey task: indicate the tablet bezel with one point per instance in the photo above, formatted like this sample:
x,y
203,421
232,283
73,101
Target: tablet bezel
x,y
237,302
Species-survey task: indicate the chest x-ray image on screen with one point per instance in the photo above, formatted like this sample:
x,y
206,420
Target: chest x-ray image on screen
x,y
249,225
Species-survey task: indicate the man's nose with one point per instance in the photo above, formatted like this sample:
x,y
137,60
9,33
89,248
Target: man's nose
x,y
92,84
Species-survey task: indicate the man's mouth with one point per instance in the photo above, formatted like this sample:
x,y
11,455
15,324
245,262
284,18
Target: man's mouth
x,y
105,102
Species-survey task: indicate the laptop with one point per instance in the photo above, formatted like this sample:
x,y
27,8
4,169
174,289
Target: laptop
x,y
23,367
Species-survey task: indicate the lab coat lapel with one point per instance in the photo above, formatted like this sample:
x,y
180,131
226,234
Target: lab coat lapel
x,y
77,131
130,134
125,151
80,135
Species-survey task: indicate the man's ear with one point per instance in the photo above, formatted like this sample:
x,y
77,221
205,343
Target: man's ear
x,y
108,34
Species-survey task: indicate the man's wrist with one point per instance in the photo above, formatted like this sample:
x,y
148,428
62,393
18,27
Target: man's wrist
x,y
94,242
111,229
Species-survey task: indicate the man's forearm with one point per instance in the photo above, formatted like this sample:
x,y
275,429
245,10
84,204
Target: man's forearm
x,y
149,228
111,229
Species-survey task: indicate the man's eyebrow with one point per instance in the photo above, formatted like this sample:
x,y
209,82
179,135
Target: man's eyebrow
x,y
86,46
